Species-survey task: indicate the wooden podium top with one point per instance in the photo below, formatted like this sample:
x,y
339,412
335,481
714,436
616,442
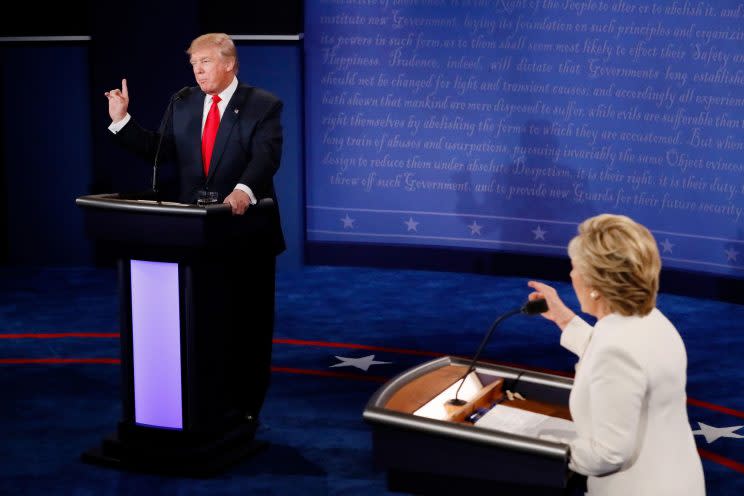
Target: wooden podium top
x,y
418,392
421,390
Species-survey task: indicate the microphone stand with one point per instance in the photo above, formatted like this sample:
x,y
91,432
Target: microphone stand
x,y
530,308
167,117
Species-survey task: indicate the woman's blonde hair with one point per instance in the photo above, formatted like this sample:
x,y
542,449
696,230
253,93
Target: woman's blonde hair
x,y
220,40
620,259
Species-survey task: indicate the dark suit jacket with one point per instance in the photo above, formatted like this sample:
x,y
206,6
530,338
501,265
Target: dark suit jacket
x,y
247,150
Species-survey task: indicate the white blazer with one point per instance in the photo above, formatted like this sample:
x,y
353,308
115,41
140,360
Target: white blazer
x,y
628,404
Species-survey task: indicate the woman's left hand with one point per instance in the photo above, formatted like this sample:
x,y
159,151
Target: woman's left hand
x,y
557,312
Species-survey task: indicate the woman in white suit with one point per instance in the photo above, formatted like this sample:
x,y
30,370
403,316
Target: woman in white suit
x,y
628,401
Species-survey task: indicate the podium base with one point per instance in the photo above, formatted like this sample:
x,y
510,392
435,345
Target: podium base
x,y
164,452
438,484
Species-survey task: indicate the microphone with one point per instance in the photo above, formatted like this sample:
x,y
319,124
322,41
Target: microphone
x,y
532,307
167,117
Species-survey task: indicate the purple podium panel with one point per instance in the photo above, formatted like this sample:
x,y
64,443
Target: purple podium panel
x,y
156,344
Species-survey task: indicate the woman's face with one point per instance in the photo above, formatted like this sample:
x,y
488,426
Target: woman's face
x,y
581,290
597,306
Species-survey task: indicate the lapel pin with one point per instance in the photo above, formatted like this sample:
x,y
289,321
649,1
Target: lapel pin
x,y
236,111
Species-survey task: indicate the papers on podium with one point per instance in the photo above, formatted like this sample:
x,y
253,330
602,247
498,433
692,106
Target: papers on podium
x,y
515,421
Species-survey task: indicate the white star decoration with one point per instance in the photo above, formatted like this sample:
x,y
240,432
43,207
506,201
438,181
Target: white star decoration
x,y
539,233
475,228
714,433
667,246
348,222
412,224
362,363
731,255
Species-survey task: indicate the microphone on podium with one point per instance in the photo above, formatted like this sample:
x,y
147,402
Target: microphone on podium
x,y
532,307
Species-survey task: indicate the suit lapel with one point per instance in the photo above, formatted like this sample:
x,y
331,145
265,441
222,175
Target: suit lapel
x,y
193,131
229,119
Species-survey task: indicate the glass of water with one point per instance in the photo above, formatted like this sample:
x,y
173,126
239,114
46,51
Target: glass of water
x,y
205,198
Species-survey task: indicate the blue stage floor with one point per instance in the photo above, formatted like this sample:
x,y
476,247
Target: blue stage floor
x,y
59,375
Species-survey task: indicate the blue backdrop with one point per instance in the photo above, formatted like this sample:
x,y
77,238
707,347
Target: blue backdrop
x,y
502,124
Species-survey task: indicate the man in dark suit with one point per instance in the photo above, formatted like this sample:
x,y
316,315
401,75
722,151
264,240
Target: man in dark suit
x,y
225,137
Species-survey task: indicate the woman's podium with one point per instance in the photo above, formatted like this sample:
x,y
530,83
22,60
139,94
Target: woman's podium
x,y
181,380
493,441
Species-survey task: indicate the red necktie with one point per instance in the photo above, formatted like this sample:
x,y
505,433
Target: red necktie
x,y
210,132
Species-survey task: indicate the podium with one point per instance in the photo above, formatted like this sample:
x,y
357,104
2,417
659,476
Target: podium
x,y
181,380
426,454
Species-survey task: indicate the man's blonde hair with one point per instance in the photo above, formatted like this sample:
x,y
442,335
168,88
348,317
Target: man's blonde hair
x,y
620,259
220,40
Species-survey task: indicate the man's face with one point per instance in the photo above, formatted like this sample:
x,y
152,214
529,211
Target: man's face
x,y
212,71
